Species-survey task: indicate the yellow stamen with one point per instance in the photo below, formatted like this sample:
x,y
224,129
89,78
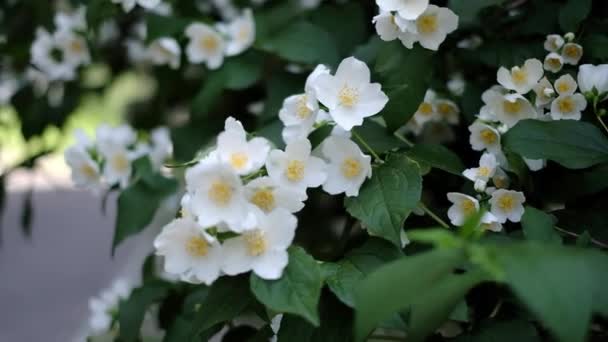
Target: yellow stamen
x,y
351,168
302,110
512,107
264,199
238,160
488,136
468,207
348,97
566,105
295,170
506,203
220,193
572,51
209,43
76,46
483,171
425,108
427,24
256,242
120,162
563,87
197,246
88,170
519,75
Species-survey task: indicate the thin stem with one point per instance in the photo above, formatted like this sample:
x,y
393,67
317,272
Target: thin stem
x,y
594,241
433,215
367,147
597,116
404,139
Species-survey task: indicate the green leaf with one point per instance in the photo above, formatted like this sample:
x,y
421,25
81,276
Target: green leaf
x,y
228,297
158,26
349,31
573,13
303,42
437,156
596,46
548,278
396,286
404,85
467,10
573,144
357,264
210,92
377,137
243,71
538,226
386,200
297,291
132,311
279,86
598,263
138,203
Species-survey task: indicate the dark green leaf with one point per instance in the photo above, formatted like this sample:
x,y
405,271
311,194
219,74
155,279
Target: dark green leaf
x,y
538,226
596,46
317,136
210,92
397,286
243,71
377,137
132,311
297,291
467,10
159,26
437,156
573,144
349,31
386,200
573,13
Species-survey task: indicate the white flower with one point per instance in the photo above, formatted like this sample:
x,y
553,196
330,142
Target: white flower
x,y
484,137
349,95
295,168
388,26
521,79
240,32
553,62
117,167
9,84
101,307
162,147
553,42
448,111
426,110
298,114
48,55
568,107
489,222
593,76
189,252
233,148
165,51
71,21
264,193
85,171
122,135
507,205
480,175
572,53
433,26
489,98
463,206
206,45
456,85
128,5
544,92
511,108
262,249
217,195
347,167
535,164
500,179
407,9
565,85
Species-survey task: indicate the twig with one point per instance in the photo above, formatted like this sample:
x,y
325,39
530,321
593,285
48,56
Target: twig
x,y
404,139
367,147
433,215
573,234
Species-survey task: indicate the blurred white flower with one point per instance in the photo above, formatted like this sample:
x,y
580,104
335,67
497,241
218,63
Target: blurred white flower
x,y
553,42
85,171
407,9
521,78
161,146
507,205
71,21
463,207
572,53
426,110
490,97
347,166
48,54
206,45
262,249
456,85
448,111
165,51
433,26
565,85
349,95
128,5
480,175
105,304
553,62
240,32
117,167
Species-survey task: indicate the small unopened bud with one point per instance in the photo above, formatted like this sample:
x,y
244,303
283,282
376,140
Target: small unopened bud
x,y
548,92
569,36
602,112
589,96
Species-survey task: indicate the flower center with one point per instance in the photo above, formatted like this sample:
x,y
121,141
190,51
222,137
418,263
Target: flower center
x,y
554,62
264,199
209,43
487,136
238,160
88,170
295,170
348,97
500,182
120,163
519,75
256,242
302,110
445,109
563,87
427,24
197,246
425,108
468,207
351,168
571,51
506,203
512,107
483,171
566,105
220,193
76,46
243,34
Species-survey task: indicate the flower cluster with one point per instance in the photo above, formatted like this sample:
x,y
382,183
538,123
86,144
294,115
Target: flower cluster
x,y
414,21
433,118
237,213
107,162
57,55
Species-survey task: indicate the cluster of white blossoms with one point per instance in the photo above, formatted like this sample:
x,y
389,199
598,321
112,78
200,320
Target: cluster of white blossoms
x,y
58,55
433,118
105,306
238,210
108,161
413,21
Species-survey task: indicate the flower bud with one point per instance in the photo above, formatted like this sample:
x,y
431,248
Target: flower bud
x,y
569,36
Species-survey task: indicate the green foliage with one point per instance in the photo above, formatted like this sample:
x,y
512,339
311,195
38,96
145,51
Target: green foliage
x,y
538,226
297,291
573,13
467,10
132,311
138,203
574,145
386,200
437,156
